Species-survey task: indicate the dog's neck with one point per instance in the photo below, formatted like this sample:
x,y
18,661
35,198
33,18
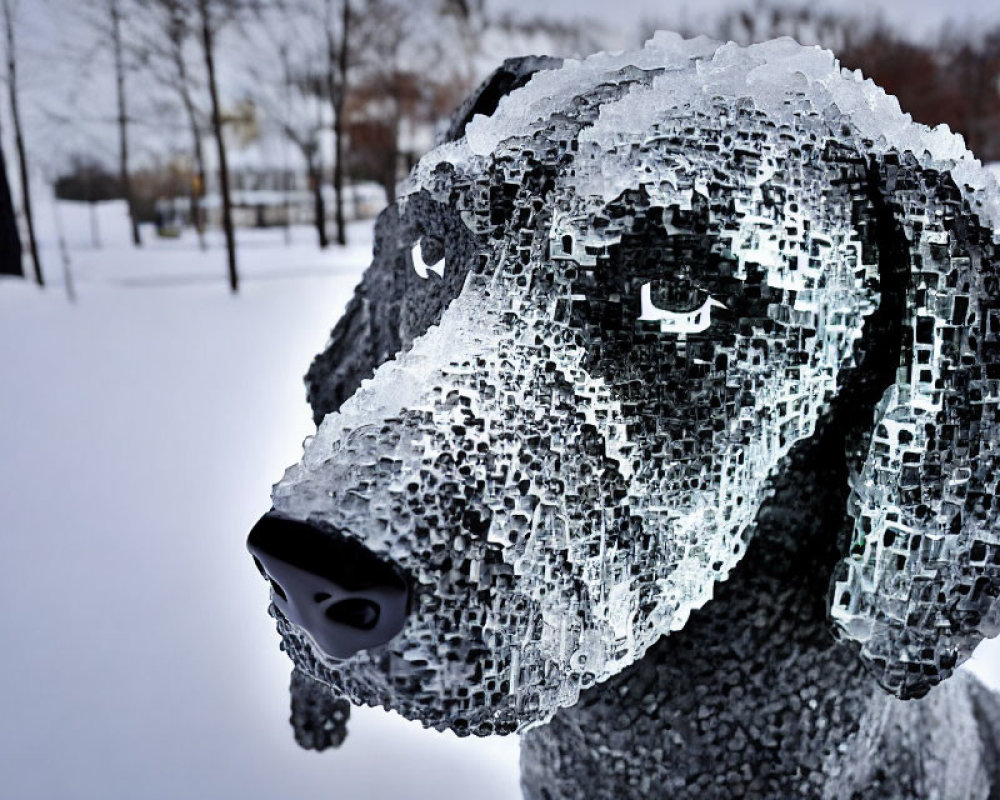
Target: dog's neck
x,y
756,686
755,696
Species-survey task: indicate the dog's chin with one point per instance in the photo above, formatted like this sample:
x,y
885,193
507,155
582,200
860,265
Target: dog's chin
x,y
388,678
441,708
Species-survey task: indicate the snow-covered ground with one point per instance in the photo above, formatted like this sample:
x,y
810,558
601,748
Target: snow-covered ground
x,y
140,431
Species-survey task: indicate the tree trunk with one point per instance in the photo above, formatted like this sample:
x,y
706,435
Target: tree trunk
x,y
285,177
197,189
123,171
319,206
22,155
10,240
392,158
338,97
198,183
208,46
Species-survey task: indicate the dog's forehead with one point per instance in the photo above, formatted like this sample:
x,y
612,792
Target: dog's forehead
x,y
560,182
595,115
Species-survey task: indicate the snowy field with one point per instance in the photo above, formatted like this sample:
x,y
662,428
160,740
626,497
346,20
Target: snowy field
x,y
140,430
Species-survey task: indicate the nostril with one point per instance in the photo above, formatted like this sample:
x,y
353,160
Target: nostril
x,y
355,612
260,567
321,597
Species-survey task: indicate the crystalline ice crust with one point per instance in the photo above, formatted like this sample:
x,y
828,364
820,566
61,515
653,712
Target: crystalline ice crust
x,y
564,457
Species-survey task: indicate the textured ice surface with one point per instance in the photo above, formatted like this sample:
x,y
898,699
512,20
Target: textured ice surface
x,y
657,269
754,699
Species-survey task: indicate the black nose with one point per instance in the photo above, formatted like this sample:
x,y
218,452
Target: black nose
x,y
331,585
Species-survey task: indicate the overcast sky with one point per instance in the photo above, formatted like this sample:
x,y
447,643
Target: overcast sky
x,y
918,18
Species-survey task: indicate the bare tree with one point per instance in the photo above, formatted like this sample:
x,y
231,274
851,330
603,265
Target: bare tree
x,y
112,22
337,65
955,80
165,47
382,61
114,8
306,136
297,103
406,66
768,19
304,129
10,241
210,18
177,33
335,22
381,83
9,18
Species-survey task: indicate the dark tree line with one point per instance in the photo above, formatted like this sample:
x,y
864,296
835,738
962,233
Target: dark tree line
x,y
955,82
953,79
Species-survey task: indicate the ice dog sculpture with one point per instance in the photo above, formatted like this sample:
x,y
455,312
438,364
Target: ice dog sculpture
x,y
598,324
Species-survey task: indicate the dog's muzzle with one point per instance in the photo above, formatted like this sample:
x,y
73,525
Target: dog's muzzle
x,y
330,585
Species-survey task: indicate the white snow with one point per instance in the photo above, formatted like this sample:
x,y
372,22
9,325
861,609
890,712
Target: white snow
x,y
140,432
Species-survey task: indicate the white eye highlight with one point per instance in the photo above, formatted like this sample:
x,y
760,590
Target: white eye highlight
x,y
421,267
681,322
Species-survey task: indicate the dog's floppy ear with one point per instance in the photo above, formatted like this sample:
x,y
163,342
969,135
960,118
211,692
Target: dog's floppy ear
x,y
919,587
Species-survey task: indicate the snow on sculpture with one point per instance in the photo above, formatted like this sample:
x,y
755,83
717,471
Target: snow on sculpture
x,y
630,291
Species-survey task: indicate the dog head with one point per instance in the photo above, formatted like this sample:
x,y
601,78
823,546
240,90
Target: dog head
x,y
653,272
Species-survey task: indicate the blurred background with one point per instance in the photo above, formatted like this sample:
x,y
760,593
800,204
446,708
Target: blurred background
x,y
205,115
187,193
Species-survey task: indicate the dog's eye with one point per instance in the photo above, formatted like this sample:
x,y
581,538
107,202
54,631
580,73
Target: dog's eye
x,y
686,311
428,255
